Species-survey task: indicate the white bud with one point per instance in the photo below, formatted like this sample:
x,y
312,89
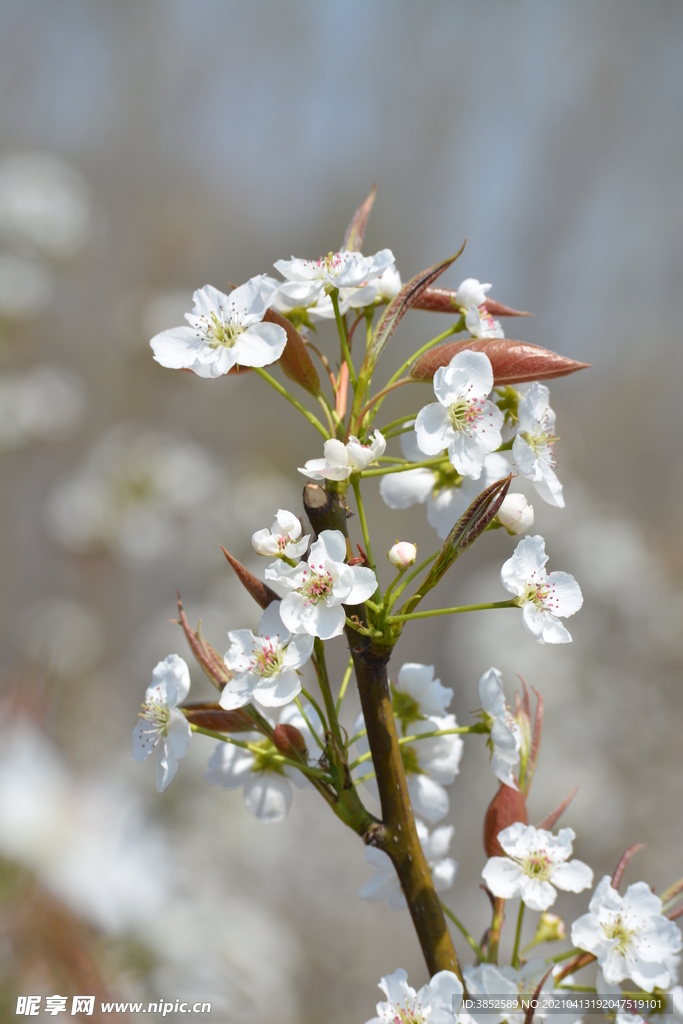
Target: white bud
x,y
515,514
402,554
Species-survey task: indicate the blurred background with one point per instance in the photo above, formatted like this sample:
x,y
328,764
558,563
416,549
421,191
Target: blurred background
x,y
147,149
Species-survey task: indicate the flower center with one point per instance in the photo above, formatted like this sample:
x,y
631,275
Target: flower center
x,y
446,478
405,708
263,758
540,593
404,1015
465,412
332,264
282,542
220,333
411,763
317,585
543,445
617,929
158,714
537,865
267,660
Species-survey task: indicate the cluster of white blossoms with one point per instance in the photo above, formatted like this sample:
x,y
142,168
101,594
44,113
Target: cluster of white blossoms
x,y
341,460
432,760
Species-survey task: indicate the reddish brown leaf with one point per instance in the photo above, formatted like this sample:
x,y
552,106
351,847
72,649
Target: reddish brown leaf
x,y
261,592
513,362
399,306
621,866
443,300
533,1002
555,815
536,738
353,239
507,806
295,361
210,715
207,656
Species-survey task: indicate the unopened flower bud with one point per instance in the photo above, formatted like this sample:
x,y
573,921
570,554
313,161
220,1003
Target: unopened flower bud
x,y
515,514
550,928
289,741
402,554
507,807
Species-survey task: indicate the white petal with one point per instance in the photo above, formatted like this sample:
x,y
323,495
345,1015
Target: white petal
x,y
144,736
278,690
324,621
433,429
364,585
167,766
268,795
428,797
178,733
173,675
443,873
572,876
260,345
271,624
330,546
467,453
567,597
537,894
401,490
298,651
238,691
503,877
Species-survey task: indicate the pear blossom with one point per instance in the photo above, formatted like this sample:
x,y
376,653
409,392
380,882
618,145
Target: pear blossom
x,y
533,448
446,493
463,420
536,863
629,935
416,694
267,783
506,736
265,668
341,460
223,331
470,297
515,514
429,764
384,288
402,554
283,540
384,884
674,1002
507,983
435,1003
542,596
162,724
308,280
318,589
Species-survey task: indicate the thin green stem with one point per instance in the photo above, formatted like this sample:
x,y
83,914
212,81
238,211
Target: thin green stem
x,y
366,535
324,684
416,572
459,731
382,471
400,422
364,631
471,941
313,420
344,684
518,935
316,773
559,957
381,395
455,328
363,778
311,700
308,723
328,413
341,328
452,611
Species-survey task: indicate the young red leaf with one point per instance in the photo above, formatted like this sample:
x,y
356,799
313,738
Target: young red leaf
x,y
555,815
295,361
443,300
399,306
207,656
513,362
209,715
507,807
261,592
353,239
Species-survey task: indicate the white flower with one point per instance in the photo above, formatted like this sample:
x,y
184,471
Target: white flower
x,y
402,554
435,1003
533,448
265,667
341,460
417,694
320,587
504,983
506,736
308,280
446,493
463,420
471,299
283,540
267,783
515,514
629,935
162,725
430,764
541,596
675,1002
224,331
536,863
383,289
384,884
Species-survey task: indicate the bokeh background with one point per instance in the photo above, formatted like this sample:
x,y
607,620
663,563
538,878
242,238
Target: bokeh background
x,y
146,149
